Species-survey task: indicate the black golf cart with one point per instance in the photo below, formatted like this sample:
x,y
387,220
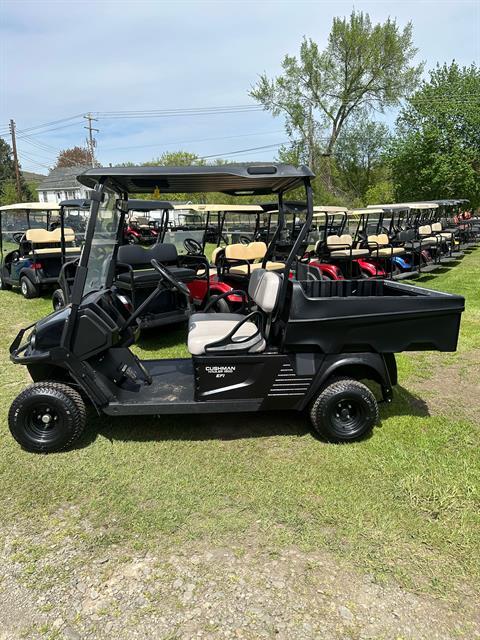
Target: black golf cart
x,y
34,246
302,345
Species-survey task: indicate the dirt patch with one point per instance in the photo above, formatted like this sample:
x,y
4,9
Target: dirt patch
x,y
452,390
54,585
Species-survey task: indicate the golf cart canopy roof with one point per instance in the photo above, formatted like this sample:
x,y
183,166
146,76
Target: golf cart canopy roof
x,y
148,205
219,208
31,206
233,179
405,205
369,211
329,209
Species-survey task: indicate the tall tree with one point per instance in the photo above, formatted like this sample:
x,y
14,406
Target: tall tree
x,y
76,156
8,195
364,67
360,156
436,152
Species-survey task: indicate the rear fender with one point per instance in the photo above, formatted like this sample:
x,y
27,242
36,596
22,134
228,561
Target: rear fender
x,y
373,269
219,288
402,263
380,368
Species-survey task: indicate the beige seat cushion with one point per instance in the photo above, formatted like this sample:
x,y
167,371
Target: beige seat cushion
x,y
203,333
425,230
242,269
339,242
345,253
256,250
54,251
387,251
40,236
429,240
237,252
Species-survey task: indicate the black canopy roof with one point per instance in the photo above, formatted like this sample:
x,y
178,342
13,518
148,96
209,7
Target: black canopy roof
x,y
148,205
232,179
77,203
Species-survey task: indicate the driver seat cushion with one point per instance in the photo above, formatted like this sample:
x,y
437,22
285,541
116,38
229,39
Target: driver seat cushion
x,y
206,328
204,332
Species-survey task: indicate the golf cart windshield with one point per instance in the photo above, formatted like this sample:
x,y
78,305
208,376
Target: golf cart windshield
x,y
103,242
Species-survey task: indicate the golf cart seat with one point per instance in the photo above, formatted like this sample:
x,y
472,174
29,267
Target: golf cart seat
x,y
216,332
437,229
380,246
342,247
425,233
136,260
251,255
41,241
140,222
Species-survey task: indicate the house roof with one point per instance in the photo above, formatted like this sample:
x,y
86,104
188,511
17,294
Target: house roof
x,y
62,178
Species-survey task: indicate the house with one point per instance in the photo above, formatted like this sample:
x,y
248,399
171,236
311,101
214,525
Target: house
x,y
62,184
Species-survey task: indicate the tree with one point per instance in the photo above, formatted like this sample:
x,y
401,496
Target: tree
x,y
364,67
76,156
8,185
360,156
436,151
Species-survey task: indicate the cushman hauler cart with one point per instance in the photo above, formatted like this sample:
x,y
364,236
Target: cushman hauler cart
x,y
304,345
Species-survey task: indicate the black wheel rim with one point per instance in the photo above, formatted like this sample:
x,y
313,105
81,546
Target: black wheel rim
x,y
43,422
348,415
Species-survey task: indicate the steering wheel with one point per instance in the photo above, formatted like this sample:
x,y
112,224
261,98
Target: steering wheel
x,y
168,276
244,240
17,236
193,247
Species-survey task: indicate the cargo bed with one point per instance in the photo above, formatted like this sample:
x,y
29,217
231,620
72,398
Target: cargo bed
x,y
371,315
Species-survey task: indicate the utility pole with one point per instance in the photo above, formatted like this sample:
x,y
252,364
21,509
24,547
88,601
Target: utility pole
x,y
91,142
15,159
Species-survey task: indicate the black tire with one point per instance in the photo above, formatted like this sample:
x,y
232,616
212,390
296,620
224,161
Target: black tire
x,y
220,306
344,410
4,286
58,300
28,289
133,239
28,415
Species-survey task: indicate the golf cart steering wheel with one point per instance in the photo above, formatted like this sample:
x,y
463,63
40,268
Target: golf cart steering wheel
x,y
193,247
18,236
244,240
168,276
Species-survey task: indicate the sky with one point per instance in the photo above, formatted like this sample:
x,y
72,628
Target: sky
x,y
60,59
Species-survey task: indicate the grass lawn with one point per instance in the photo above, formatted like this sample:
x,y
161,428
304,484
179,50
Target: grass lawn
x,y
403,504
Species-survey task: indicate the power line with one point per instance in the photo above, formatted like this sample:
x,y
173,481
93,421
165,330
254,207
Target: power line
x,y
232,153
166,144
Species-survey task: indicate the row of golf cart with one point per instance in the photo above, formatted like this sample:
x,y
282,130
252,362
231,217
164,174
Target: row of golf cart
x,y
267,327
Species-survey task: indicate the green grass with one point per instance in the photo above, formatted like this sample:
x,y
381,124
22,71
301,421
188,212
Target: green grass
x,y
403,503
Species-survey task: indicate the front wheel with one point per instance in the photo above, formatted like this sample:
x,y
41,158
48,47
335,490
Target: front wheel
x,y
344,410
219,305
58,299
47,417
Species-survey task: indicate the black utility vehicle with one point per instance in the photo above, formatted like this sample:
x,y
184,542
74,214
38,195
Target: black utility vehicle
x,y
34,246
303,345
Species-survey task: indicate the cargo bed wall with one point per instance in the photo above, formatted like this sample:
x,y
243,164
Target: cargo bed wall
x,y
377,316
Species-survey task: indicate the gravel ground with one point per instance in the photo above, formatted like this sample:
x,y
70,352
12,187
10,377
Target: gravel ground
x,y
56,585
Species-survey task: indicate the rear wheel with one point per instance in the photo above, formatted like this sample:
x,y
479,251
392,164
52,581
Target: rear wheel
x,y
344,410
133,239
28,289
58,299
47,417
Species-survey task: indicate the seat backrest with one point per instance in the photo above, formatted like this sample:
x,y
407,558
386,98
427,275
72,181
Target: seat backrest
x,y
40,236
165,253
425,230
264,288
256,250
344,241
437,227
380,240
68,232
237,251
139,257
139,220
